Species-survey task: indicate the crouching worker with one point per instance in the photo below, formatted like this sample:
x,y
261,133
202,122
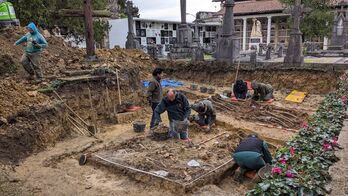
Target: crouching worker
x,y
206,114
240,89
178,109
252,154
262,92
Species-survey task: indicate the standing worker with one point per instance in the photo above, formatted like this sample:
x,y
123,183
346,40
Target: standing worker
x,y
35,43
262,92
154,93
206,113
252,154
178,108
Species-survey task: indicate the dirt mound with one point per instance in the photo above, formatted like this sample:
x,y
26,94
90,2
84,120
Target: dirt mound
x,y
14,98
59,56
54,58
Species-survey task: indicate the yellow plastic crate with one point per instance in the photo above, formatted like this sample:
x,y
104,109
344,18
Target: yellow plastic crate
x,y
296,96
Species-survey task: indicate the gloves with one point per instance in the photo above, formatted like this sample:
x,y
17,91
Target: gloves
x,y
36,45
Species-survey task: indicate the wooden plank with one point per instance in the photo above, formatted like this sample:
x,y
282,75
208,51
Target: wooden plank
x,y
82,78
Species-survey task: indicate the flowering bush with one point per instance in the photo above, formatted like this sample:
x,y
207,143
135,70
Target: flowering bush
x,y
302,166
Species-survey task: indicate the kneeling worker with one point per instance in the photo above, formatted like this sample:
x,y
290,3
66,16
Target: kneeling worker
x,y
178,108
206,113
240,89
262,92
252,154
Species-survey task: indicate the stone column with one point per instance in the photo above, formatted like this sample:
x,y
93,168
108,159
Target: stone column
x,y
294,53
244,33
183,11
276,32
269,26
228,44
184,36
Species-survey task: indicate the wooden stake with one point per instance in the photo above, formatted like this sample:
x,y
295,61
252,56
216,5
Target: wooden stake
x,y
203,142
235,80
93,110
71,110
78,129
108,101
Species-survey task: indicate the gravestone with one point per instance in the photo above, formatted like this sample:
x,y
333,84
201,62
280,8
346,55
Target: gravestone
x,y
262,48
340,30
182,48
280,50
269,52
256,34
294,53
253,55
228,43
197,50
131,42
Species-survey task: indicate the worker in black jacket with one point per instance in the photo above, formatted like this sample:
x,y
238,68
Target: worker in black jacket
x,y
240,89
252,154
178,108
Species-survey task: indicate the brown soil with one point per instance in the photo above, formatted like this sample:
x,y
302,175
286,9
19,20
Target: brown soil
x,y
30,131
173,155
316,82
14,98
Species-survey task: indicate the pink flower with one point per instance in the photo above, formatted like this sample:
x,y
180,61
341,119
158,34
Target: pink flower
x,y
289,174
344,99
327,147
334,142
343,77
292,151
304,125
276,170
282,161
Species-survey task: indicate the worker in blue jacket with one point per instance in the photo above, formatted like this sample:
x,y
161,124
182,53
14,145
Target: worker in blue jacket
x,y
178,108
252,154
35,43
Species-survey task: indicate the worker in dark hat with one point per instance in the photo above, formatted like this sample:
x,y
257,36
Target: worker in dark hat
x,y
206,113
240,89
252,154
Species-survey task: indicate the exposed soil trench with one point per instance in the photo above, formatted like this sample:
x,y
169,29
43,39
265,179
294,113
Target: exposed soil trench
x,y
27,134
312,81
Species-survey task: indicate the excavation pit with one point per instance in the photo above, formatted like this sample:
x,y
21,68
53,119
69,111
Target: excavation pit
x,y
165,164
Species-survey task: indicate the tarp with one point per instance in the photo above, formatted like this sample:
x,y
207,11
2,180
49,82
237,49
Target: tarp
x,y
165,83
296,96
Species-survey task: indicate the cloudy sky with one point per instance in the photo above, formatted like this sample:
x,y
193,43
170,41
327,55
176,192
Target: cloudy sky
x,y
170,9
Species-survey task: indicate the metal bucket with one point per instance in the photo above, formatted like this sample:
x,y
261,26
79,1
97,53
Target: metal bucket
x,y
139,126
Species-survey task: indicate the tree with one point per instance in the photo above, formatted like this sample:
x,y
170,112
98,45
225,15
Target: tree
x,y
318,18
44,14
